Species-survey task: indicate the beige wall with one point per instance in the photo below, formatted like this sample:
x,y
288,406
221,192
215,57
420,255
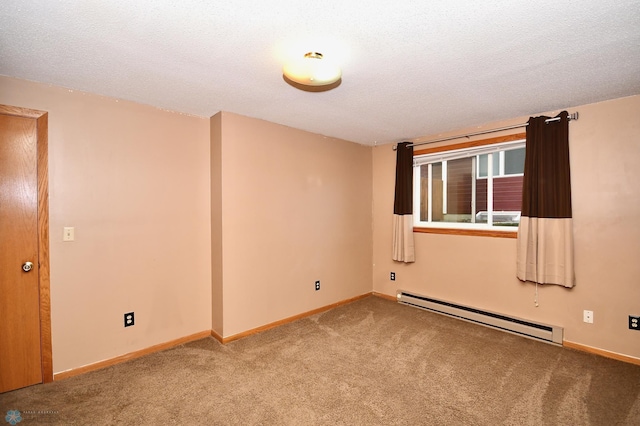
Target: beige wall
x,y
193,224
134,182
480,271
216,224
296,208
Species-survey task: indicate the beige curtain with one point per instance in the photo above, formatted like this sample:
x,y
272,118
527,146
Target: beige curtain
x,y
545,234
403,249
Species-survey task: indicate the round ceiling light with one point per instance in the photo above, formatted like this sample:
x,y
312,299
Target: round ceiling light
x,y
312,71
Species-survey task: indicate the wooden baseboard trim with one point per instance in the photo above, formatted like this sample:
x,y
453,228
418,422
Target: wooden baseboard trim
x,y
385,296
287,320
601,352
216,336
132,355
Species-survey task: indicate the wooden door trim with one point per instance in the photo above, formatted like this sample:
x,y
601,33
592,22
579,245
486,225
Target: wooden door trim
x,y
42,125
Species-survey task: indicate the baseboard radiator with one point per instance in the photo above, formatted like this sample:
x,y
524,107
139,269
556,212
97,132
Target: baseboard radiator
x,y
543,332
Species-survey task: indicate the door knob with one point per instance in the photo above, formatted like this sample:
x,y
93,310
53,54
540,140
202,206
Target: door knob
x,y
27,266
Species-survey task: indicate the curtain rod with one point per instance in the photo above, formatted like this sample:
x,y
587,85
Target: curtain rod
x,y
572,116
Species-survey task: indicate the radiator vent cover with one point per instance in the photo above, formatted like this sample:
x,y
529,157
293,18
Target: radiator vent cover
x,y
543,332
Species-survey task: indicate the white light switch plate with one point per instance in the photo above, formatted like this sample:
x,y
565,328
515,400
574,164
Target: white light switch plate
x,y
68,233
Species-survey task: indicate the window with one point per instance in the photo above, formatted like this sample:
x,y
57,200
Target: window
x,y
475,186
505,163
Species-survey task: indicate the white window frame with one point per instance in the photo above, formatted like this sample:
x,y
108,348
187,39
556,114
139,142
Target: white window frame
x,y
442,157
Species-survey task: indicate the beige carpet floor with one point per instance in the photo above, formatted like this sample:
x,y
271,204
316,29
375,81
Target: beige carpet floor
x,y
371,362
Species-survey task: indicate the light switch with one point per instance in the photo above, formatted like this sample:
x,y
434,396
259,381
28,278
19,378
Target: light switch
x,y
68,234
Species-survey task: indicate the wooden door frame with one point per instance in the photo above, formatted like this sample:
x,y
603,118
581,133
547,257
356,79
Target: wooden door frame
x,y
42,125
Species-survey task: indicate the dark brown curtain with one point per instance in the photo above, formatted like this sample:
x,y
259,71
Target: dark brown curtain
x,y
403,248
545,234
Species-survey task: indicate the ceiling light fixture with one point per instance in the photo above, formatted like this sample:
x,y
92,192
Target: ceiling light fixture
x,y
312,73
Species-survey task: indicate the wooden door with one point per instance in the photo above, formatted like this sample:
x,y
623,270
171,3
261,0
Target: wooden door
x,y
21,250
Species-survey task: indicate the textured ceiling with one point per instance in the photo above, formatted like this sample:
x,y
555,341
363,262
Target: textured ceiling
x,y
410,68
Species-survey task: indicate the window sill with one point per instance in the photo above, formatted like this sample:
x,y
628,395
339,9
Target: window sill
x,y
471,232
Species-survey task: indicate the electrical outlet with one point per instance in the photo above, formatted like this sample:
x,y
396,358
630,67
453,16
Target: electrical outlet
x,y
634,323
317,285
129,319
588,317
393,276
